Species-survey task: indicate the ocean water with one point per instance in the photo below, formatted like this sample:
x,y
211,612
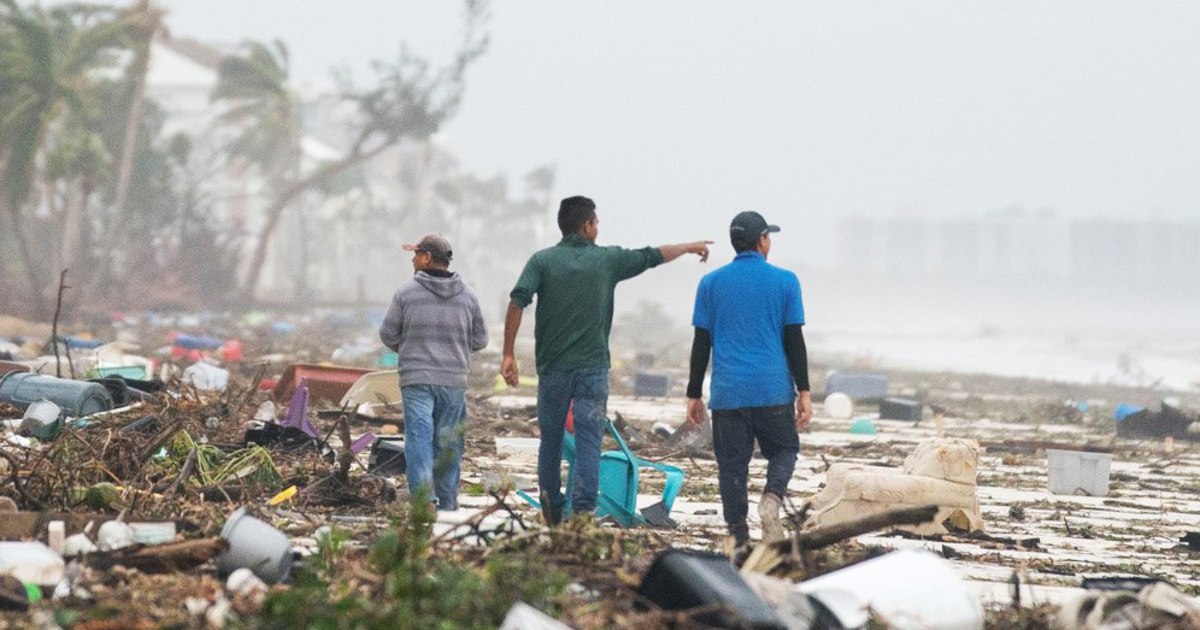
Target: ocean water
x,y
1168,364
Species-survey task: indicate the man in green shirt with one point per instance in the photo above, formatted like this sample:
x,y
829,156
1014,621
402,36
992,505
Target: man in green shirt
x,y
574,283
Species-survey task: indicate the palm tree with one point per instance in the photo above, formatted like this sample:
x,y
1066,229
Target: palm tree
x,y
254,84
146,23
46,57
408,102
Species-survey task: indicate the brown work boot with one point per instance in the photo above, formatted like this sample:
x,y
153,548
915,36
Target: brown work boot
x,y
768,513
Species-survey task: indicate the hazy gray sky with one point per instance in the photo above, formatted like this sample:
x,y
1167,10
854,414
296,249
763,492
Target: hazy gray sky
x,y
674,115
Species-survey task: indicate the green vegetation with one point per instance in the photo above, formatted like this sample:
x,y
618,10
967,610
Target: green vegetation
x,y
402,583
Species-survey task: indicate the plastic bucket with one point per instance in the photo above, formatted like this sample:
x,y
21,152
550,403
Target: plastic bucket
x,y
255,545
41,420
76,398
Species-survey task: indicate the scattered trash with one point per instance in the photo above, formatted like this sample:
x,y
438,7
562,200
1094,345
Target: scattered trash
x,y
31,562
522,616
255,545
246,590
297,414
41,420
900,409
285,495
206,377
265,412
75,398
114,535
863,426
325,382
899,588
373,393
518,448
683,580
1143,423
650,384
1129,606
159,533
861,386
839,406
1078,472
56,532
18,595
77,545
938,472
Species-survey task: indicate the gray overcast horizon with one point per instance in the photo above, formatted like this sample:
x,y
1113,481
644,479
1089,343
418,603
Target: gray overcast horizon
x,y
675,115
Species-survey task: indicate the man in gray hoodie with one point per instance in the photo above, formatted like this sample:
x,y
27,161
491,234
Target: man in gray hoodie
x,y
434,324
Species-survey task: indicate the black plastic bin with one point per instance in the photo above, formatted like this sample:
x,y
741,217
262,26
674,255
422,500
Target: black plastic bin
x,y
682,580
900,409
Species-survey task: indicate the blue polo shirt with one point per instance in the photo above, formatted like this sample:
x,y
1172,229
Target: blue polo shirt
x,y
745,305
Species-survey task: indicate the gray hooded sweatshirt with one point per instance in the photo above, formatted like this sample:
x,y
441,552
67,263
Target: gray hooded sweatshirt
x,y
434,323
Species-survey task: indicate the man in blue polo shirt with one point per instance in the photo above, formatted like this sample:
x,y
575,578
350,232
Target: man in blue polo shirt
x,y
749,314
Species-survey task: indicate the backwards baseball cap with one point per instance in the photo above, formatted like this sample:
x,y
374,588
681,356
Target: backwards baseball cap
x,y
433,245
748,226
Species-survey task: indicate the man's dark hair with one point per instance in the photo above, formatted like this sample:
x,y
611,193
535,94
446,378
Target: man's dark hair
x,y
574,212
742,244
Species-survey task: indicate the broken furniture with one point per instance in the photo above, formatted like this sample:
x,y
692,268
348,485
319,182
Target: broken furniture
x,y
940,471
372,393
619,479
325,382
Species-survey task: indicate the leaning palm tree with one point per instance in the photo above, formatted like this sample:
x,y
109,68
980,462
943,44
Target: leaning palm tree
x,y
409,101
146,22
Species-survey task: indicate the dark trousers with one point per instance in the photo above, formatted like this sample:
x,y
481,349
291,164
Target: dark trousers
x,y
734,433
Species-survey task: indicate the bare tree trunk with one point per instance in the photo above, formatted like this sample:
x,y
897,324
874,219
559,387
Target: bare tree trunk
x,y
27,262
137,71
275,212
74,212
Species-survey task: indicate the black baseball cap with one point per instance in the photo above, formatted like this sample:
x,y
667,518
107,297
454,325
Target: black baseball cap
x,y
748,226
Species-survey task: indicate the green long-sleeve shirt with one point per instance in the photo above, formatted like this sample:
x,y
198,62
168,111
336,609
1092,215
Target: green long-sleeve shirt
x,y
574,283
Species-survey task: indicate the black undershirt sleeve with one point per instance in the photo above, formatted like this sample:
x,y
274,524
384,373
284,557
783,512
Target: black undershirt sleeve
x,y
701,348
796,351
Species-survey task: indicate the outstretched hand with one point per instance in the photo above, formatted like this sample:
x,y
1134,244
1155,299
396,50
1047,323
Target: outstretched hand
x,y
700,248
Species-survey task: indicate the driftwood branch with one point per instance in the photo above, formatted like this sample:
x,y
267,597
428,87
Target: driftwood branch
x,y
62,286
818,537
184,473
346,456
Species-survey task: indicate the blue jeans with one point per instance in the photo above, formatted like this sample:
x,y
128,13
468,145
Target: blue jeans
x,y
734,434
433,440
588,389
